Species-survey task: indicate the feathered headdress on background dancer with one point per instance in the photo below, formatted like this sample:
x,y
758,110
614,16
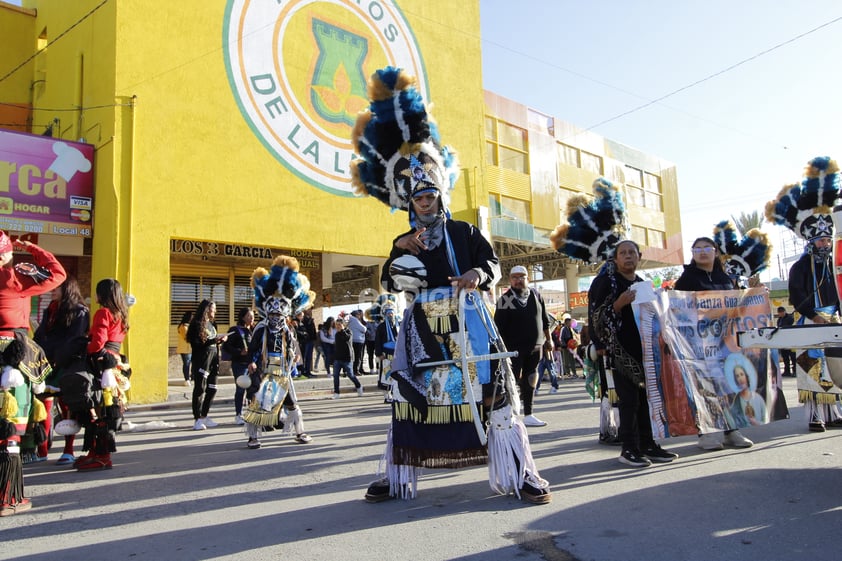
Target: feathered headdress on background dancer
x,y
742,257
805,207
593,227
398,145
282,289
375,312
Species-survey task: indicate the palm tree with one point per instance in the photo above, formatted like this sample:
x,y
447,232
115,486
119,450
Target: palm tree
x,y
748,220
745,222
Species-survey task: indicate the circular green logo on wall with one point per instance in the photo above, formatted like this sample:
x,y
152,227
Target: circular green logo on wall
x,y
298,70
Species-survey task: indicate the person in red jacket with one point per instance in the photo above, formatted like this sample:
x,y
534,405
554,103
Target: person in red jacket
x,y
23,375
108,329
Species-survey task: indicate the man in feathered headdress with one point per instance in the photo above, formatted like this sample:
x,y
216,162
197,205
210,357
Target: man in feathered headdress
x,y
280,293
595,231
805,209
435,419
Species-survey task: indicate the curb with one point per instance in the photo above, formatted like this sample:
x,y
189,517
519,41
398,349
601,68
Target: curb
x,y
315,389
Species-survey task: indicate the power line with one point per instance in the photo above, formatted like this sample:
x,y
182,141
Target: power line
x,y
665,96
715,74
59,36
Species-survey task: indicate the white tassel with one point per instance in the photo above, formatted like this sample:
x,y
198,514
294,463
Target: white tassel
x,y
510,460
403,480
251,430
293,423
607,424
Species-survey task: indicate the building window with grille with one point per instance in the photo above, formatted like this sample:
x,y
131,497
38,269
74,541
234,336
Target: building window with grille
x,y
592,163
568,156
657,239
506,146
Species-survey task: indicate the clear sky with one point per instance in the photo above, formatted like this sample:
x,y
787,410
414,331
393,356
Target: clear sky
x,y
735,138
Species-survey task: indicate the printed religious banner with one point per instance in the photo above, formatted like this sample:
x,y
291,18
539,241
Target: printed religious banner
x,y
698,379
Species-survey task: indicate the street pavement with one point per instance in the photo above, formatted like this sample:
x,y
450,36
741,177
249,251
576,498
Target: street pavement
x,y
178,494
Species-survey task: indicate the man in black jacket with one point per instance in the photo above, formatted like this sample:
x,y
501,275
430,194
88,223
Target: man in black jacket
x,y
788,355
524,325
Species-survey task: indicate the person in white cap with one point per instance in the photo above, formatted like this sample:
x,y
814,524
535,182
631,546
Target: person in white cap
x,y
524,324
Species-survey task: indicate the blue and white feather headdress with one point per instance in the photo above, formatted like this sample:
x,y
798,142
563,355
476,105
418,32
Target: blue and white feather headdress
x,y
594,227
742,257
398,145
282,289
805,207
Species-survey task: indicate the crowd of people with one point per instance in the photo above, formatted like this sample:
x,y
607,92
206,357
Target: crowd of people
x,y
460,380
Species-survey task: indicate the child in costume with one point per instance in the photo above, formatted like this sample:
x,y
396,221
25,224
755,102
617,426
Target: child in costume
x,y
108,329
436,413
280,293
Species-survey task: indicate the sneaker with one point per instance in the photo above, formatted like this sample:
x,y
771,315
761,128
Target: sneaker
x,y
360,391
816,427
210,423
303,438
634,460
238,420
657,454
533,421
735,439
378,492
336,396
253,444
553,390
534,495
199,425
710,441
187,383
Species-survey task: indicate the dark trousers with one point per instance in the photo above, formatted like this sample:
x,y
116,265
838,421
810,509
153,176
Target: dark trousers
x,y
524,368
635,431
307,351
238,369
204,390
185,365
788,356
369,348
359,349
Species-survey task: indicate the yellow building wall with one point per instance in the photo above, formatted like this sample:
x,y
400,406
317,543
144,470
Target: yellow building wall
x,y
176,158
17,29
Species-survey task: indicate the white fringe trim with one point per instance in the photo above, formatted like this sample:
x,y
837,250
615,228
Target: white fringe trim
x,y
293,422
403,480
510,460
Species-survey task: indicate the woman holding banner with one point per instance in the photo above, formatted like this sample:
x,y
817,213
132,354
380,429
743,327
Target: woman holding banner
x,y
705,272
595,231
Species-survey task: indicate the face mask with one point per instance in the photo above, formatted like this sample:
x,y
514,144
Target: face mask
x,y
273,321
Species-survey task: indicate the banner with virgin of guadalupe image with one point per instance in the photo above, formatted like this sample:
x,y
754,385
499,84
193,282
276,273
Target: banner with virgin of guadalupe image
x,y
698,380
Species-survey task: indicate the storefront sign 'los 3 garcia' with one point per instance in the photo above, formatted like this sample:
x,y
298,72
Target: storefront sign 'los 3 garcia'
x,y
298,70
202,249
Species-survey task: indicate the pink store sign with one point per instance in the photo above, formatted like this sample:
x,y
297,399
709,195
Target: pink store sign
x,y
46,185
